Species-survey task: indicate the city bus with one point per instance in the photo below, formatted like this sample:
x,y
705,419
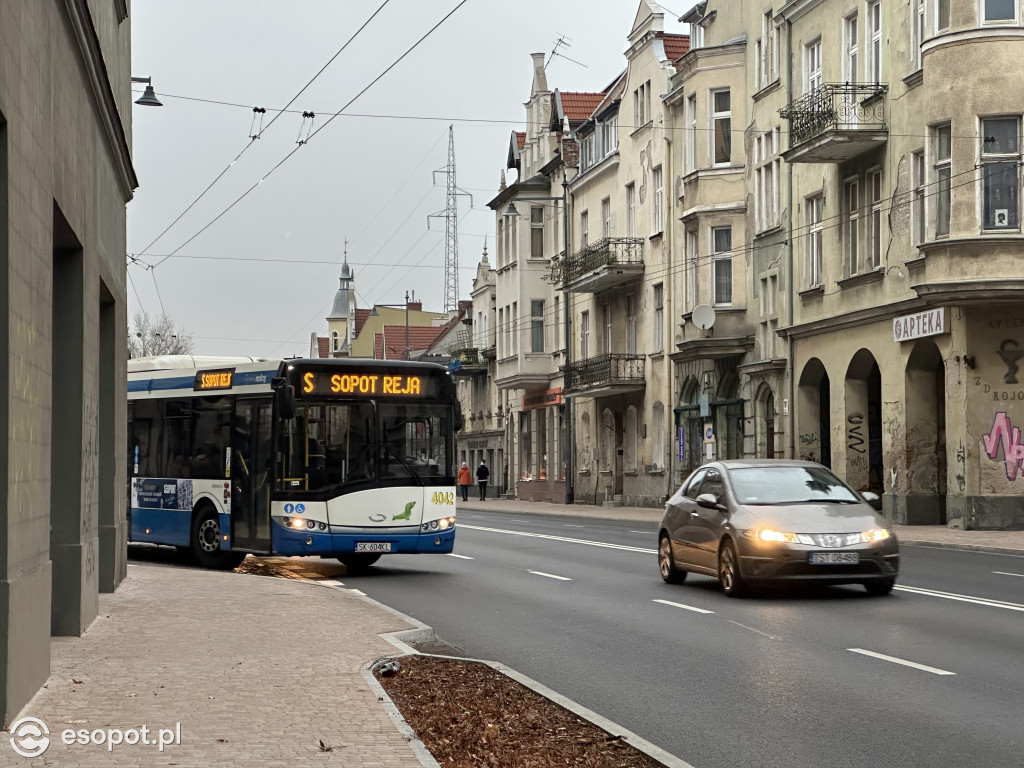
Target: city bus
x,y
343,458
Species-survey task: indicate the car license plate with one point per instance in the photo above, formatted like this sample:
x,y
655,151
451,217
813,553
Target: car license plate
x,y
834,558
373,546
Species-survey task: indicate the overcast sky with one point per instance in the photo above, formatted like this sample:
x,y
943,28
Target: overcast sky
x,y
262,277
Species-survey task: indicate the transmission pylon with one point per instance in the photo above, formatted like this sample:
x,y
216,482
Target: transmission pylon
x,y
451,227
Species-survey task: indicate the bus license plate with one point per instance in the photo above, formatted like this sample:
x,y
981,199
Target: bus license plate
x,y
834,558
373,546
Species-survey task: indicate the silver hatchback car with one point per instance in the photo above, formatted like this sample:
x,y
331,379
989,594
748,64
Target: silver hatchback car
x,y
756,521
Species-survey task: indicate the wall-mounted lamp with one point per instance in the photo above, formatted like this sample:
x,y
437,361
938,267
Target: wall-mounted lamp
x,y
969,361
148,97
511,211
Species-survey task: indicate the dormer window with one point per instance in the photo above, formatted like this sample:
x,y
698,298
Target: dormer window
x,y
334,341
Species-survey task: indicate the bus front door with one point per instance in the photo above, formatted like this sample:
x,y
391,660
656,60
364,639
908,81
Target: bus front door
x,y
251,465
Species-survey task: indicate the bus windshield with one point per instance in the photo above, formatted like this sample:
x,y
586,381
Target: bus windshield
x,y
329,445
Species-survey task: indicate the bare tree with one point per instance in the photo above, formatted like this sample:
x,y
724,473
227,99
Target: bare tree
x,y
148,336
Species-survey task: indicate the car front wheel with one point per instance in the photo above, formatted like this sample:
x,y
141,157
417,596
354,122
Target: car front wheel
x,y
729,571
879,588
667,564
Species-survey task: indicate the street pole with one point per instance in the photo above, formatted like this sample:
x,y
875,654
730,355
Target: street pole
x,y
570,461
406,356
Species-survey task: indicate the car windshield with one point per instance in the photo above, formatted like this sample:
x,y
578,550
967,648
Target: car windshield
x,y
788,485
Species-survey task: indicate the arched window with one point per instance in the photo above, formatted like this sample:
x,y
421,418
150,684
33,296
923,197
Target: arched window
x,y
607,441
629,446
585,443
334,341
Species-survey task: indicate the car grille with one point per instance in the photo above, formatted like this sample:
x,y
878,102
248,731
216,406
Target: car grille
x,y
803,568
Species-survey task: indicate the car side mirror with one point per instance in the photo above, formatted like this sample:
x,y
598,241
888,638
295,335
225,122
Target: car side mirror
x,y
873,499
709,501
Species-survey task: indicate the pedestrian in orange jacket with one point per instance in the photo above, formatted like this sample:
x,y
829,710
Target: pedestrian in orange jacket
x,y
465,480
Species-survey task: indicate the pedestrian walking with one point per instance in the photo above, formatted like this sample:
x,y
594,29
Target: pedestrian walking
x,y
465,480
482,473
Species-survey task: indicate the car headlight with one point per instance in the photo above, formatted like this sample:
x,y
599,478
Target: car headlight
x,y
875,534
781,537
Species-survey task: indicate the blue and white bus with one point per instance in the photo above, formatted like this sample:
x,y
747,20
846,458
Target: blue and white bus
x,y
343,458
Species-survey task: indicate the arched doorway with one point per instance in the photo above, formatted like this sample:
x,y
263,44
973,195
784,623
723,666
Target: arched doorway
x,y
728,418
814,410
764,423
688,419
926,435
863,427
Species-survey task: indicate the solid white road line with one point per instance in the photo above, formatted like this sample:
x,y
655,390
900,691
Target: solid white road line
x,y
330,582
1004,573
963,598
623,547
461,557
645,533
550,575
684,607
904,662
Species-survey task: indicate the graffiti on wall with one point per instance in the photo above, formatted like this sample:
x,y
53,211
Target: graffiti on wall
x,y
1005,436
855,433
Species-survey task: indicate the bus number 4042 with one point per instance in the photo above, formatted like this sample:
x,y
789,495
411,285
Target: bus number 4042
x,y
443,498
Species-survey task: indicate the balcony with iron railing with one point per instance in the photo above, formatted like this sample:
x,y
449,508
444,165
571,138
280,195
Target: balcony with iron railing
x,y
604,264
610,374
466,361
836,122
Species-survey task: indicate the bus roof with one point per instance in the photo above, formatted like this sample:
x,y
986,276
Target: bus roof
x,y
175,362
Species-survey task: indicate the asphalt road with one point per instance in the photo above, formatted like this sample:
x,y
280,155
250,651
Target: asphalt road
x,y
793,678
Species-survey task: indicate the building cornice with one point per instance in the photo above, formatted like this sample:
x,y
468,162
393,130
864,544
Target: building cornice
x,y
95,70
970,292
796,9
984,34
853,319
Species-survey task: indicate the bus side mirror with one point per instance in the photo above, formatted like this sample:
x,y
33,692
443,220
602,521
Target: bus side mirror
x,y
284,393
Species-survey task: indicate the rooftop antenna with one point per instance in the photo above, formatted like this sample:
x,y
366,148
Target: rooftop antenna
x,y
451,223
563,42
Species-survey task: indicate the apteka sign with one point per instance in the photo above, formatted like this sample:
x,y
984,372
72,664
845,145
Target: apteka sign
x,y
929,323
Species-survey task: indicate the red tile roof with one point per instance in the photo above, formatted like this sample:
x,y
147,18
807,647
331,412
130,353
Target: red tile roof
x,y
578,106
323,346
390,345
520,139
676,46
361,315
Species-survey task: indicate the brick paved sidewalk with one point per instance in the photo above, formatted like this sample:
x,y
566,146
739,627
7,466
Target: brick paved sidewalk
x,y
257,670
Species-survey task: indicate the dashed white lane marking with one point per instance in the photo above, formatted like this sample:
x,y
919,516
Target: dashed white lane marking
x,y
645,533
588,542
684,607
550,575
904,662
331,582
461,557
1004,573
963,598
573,525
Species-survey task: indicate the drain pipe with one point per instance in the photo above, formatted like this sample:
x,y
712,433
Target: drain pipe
x,y
791,290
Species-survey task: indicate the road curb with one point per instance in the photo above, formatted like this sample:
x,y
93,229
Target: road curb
x,y
418,747
963,547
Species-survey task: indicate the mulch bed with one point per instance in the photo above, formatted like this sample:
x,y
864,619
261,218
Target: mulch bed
x,y
468,715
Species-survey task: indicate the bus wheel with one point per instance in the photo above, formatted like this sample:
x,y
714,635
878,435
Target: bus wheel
x,y
357,563
206,542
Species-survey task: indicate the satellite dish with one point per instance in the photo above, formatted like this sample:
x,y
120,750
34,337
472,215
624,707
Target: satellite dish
x,y
703,316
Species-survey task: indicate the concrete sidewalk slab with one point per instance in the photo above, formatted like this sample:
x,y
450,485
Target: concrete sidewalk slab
x,y
257,671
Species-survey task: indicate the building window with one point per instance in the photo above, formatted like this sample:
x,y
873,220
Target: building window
x,y
722,264
630,210
584,335
536,232
692,261
766,179
815,207
851,246
557,324
537,325
850,60
583,229
1000,163
721,121
642,104
917,33
874,189
514,327
942,137
875,41
606,217
659,317
691,133
769,50
941,15
917,202
631,323
656,200
607,311
1000,10
334,341
812,66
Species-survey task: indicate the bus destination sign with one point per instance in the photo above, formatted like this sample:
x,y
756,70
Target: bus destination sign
x,y
209,380
365,384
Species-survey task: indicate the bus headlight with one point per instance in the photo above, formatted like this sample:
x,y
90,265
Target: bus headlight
x,y
298,522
